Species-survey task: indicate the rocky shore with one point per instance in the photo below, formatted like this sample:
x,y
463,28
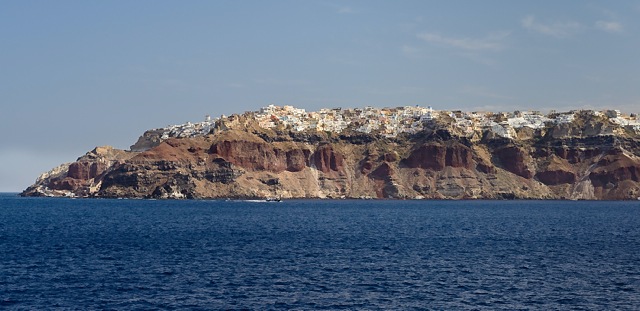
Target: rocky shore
x,y
590,156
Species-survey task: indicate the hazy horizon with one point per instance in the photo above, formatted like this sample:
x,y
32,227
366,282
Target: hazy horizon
x,y
77,74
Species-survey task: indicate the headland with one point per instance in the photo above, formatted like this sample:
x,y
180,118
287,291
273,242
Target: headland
x,y
409,152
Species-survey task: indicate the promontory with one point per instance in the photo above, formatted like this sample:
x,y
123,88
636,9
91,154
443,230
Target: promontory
x,y
407,152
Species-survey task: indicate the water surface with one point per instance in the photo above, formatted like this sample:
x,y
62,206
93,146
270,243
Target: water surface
x,y
374,255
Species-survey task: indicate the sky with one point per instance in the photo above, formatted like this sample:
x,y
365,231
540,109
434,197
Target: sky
x,y
79,74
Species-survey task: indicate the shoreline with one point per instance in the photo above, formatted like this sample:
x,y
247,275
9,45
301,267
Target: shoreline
x,y
268,200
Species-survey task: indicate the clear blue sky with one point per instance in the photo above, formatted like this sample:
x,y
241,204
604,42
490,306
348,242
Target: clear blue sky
x,y
78,74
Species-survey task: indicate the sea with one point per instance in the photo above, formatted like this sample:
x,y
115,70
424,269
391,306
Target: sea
x,y
104,254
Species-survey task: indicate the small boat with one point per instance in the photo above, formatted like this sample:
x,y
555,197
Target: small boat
x,y
263,200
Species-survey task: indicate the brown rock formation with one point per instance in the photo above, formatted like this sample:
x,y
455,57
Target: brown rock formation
x,y
243,161
437,156
325,159
616,176
557,171
80,178
515,160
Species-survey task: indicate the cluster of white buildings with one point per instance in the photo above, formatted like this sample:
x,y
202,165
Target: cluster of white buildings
x,y
390,122
189,129
504,124
386,121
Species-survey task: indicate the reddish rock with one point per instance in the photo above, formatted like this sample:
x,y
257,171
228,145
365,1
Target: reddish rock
x,y
458,156
572,155
175,150
427,157
258,156
486,168
383,179
85,170
556,177
437,157
390,157
577,155
514,160
297,159
67,184
382,172
326,159
556,170
250,155
613,169
366,167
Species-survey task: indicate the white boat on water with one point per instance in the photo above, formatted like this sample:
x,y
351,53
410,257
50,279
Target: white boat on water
x,y
264,200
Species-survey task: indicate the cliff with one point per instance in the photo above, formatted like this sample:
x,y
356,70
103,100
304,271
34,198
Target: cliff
x,y
588,157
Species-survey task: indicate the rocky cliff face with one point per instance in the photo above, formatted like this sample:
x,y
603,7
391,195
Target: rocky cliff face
x,y
81,178
586,160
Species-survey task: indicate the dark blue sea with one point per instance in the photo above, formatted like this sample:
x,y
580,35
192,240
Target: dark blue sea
x,y
84,254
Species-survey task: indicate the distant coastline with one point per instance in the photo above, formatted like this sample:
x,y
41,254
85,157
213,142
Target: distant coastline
x,y
408,152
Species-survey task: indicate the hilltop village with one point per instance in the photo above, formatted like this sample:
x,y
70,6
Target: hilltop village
x,y
390,122
409,152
